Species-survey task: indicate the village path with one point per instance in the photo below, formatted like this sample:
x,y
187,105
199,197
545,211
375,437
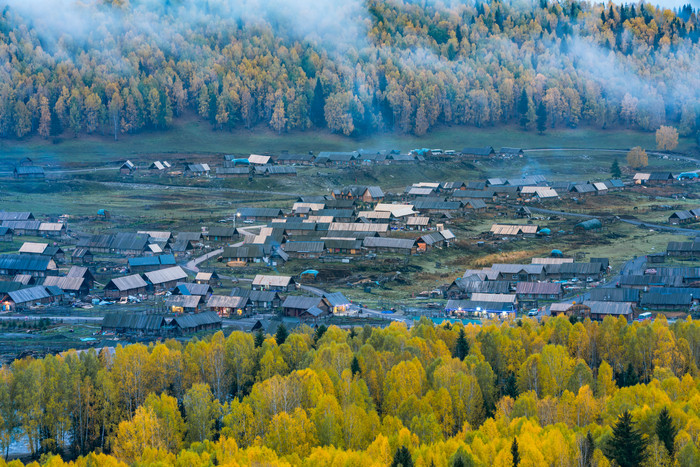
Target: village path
x,y
669,228
192,264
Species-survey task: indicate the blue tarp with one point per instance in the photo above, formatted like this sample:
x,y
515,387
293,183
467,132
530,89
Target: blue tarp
x,y
309,271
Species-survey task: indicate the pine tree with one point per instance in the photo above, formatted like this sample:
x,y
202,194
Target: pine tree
x,y
320,331
318,105
402,458
461,346
666,431
615,171
630,377
541,118
515,453
523,107
281,334
259,338
355,366
627,447
511,386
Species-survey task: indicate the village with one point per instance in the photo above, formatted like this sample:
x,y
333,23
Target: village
x,y
352,256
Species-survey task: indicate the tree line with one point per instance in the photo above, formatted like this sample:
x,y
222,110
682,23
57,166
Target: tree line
x,y
568,392
416,65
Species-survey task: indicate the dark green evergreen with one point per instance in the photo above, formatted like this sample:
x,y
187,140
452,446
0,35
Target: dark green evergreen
x,y
627,446
259,338
355,366
402,458
666,431
461,346
541,118
281,334
317,112
515,452
615,171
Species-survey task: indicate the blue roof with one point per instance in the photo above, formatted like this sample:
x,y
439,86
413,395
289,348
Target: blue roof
x,y
144,261
182,288
168,260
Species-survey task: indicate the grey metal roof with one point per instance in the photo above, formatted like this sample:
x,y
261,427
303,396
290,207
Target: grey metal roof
x,y
134,321
301,302
246,251
190,321
129,241
29,294
184,301
614,294
225,301
303,247
131,282
166,275
22,225
386,242
609,308
538,288
660,299
16,216
70,284
336,299
437,205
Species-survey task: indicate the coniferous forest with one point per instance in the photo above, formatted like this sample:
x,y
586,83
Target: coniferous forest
x,y
109,67
550,393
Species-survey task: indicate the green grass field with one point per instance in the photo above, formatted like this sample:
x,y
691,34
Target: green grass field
x,y
193,136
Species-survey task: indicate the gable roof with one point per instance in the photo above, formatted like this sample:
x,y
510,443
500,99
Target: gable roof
x,y
272,281
131,282
301,302
166,275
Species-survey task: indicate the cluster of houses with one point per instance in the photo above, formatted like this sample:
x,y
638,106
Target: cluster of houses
x,y
506,288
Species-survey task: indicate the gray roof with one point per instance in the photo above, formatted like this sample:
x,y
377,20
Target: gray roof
x,y
301,302
538,288
614,294
303,247
131,282
386,242
609,308
437,205
29,294
660,299
184,301
190,321
225,301
470,286
336,299
129,241
15,216
315,311
166,275
135,321
246,251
